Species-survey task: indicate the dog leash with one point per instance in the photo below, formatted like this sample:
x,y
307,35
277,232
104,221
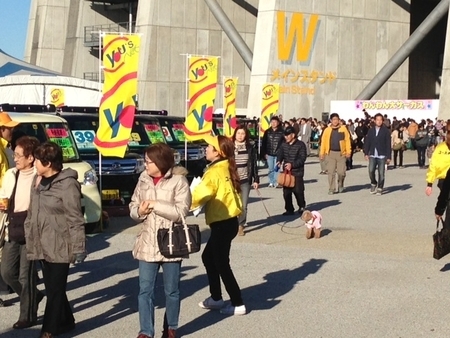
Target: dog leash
x,y
283,226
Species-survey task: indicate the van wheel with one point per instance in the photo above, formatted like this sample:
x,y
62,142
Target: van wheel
x,y
92,228
96,227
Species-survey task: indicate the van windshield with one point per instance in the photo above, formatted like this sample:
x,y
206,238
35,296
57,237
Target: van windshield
x,y
173,132
84,130
154,132
55,132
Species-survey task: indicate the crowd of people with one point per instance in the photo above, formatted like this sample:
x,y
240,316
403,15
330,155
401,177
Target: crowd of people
x,y
46,224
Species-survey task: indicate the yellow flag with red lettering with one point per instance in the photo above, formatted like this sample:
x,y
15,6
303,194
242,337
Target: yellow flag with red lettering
x,y
270,104
202,74
118,104
57,97
229,117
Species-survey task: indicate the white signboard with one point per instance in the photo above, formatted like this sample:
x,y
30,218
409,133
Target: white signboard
x,y
415,109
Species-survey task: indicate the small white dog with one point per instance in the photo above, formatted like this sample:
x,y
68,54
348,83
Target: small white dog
x,y
313,222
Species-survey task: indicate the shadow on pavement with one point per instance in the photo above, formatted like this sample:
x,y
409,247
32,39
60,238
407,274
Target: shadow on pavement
x,y
356,188
262,296
269,221
394,188
325,232
322,205
310,181
445,268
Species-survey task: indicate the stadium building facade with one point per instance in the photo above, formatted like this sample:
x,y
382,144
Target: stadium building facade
x,y
317,50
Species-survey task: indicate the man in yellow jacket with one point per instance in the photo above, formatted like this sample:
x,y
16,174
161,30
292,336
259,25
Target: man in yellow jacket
x,y
336,147
6,128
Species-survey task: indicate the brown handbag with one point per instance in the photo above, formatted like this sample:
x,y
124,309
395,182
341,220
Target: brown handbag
x,y
286,179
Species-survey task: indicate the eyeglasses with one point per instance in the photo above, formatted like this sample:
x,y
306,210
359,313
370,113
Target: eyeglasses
x,y
148,161
16,155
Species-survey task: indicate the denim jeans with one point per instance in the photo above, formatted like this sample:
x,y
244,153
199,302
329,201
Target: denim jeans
x,y
273,175
245,192
421,155
146,299
374,164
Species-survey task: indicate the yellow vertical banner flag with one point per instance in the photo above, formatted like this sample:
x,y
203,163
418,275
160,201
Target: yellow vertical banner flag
x,y
229,99
270,104
202,87
118,103
57,97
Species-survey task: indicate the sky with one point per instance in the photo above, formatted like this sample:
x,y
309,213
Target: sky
x,y
14,26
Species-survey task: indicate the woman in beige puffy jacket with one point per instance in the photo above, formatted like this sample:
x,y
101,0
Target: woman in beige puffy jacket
x,y
161,197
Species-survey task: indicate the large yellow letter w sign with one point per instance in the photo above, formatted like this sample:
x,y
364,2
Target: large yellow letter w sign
x,y
288,39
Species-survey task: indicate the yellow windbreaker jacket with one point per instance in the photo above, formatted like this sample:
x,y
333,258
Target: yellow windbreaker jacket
x,y
439,163
345,143
4,164
217,193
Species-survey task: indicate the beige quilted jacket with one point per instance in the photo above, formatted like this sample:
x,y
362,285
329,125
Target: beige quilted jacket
x,y
173,199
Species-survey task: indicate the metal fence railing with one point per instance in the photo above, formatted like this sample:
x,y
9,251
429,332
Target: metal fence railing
x,y
91,33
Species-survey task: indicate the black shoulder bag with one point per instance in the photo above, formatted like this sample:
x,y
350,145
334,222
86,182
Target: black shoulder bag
x,y
16,229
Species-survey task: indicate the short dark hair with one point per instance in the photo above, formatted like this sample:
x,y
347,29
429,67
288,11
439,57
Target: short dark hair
x,y
50,152
247,133
275,118
379,115
162,155
332,116
28,143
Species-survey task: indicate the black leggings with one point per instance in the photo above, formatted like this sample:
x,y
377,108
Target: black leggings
x,y
216,258
400,155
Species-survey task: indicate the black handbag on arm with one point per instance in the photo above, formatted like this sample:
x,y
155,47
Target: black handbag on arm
x,y
441,241
179,240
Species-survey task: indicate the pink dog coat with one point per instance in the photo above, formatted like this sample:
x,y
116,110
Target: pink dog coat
x,y
316,221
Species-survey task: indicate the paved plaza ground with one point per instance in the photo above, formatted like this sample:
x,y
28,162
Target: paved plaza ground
x,y
371,275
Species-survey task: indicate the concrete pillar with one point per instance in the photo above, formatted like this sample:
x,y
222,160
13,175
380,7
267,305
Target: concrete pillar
x,y
444,97
144,26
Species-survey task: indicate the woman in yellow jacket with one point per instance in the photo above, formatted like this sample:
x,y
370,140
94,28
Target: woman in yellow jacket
x,y
439,163
219,193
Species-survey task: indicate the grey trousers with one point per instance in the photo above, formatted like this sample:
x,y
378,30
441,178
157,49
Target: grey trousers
x,y
245,193
20,274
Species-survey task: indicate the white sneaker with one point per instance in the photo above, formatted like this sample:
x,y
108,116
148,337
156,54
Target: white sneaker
x,y
233,310
270,185
211,304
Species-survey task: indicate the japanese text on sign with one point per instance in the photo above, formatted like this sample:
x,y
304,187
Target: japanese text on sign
x,y
304,76
57,132
395,104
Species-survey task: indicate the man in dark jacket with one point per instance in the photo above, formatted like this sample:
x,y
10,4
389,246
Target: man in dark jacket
x,y
377,150
272,139
292,154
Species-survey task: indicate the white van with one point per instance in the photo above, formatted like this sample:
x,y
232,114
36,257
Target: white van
x,y
54,128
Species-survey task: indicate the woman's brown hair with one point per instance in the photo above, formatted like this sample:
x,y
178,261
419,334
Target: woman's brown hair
x,y
162,155
227,148
28,144
50,152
